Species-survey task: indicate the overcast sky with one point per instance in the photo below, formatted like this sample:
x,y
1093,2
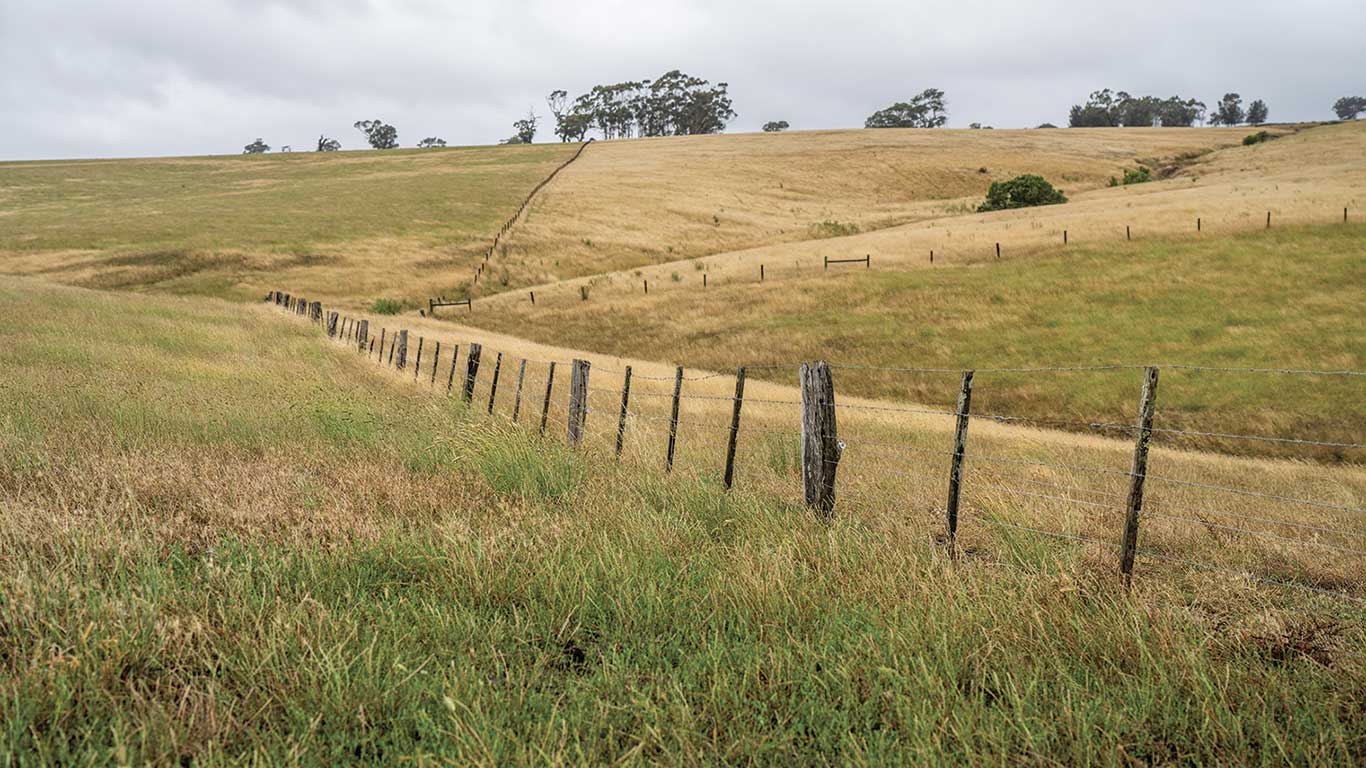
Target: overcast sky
x,y
102,78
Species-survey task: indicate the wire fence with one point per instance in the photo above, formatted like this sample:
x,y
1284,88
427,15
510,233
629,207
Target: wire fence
x,y
1288,525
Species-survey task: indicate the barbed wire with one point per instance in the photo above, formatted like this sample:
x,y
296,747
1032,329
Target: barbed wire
x,y
1264,534
1257,494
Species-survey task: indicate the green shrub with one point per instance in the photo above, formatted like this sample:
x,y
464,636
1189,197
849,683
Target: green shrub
x,y
386,307
1021,192
1257,138
1142,175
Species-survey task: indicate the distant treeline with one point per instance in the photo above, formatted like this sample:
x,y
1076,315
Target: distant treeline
x,y
674,104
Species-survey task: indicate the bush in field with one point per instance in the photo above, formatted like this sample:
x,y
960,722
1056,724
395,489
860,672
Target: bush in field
x,y
1021,192
1257,138
386,307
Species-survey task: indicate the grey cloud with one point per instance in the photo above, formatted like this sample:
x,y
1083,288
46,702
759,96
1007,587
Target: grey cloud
x,y
138,77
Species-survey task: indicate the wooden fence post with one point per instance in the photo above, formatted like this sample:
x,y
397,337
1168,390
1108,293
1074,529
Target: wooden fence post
x,y
729,478
493,388
332,324
533,298
517,401
417,366
436,363
1137,473
372,348
1268,219
471,370
450,380
578,401
549,385
402,349
704,281
1197,223
363,334
960,441
625,403
1126,232
673,420
820,440
998,250
1064,237
761,273
382,332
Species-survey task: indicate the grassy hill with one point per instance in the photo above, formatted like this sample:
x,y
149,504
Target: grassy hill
x,y
323,561
348,224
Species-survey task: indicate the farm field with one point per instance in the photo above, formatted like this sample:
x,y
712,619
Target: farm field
x,y
352,223
335,560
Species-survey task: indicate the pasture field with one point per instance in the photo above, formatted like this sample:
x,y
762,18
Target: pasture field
x,y
353,224
325,561
1289,296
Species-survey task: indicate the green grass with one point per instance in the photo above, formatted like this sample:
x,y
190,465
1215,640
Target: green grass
x,y
223,540
1287,298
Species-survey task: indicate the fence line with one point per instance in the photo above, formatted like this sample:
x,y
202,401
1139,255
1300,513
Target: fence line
x,y
822,449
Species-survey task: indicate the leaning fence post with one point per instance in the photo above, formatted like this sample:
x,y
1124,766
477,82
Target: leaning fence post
x,y
471,370
417,366
493,388
820,440
1137,474
734,426
960,441
578,401
382,332
402,349
436,363
450,380
549,385
673,420
517,401
332,324
625,403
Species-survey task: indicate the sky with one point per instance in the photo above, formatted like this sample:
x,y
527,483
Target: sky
x,y
121,78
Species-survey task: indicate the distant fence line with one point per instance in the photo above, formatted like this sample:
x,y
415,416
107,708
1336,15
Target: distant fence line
x,y
585,286
822,449
507,227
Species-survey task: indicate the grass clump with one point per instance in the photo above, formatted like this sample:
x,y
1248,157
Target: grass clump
x,y
386,306
827,228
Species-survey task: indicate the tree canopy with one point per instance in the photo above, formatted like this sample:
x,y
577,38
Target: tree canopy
x,y
1348,107
256,148
328,145
1229,110
431,141
1257,112
1110,109
925,110
674,104
526,128
774,126
378,133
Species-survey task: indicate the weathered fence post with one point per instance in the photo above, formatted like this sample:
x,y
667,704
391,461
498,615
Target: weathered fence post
x,y
820,440
729,479
549,385
372,348
493,387
960,441
761,273
402,349
382,332
1268,219
315,312
625,403
578,401
1126,232
417,366
1064,237
436,363
517,399
363,334
455,358
332,324
998,250
1137,473
1197,223
471,370
673,419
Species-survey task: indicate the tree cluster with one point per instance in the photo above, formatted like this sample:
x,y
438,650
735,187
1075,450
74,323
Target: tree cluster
x,y
674,104
1021,192
775,126
925,110
256,148
430,142
1110,109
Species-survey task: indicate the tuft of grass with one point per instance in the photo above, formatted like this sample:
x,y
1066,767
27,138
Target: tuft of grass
x,y
386,306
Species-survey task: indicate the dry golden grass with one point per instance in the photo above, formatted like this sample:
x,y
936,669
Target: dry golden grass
x,y
1306,177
